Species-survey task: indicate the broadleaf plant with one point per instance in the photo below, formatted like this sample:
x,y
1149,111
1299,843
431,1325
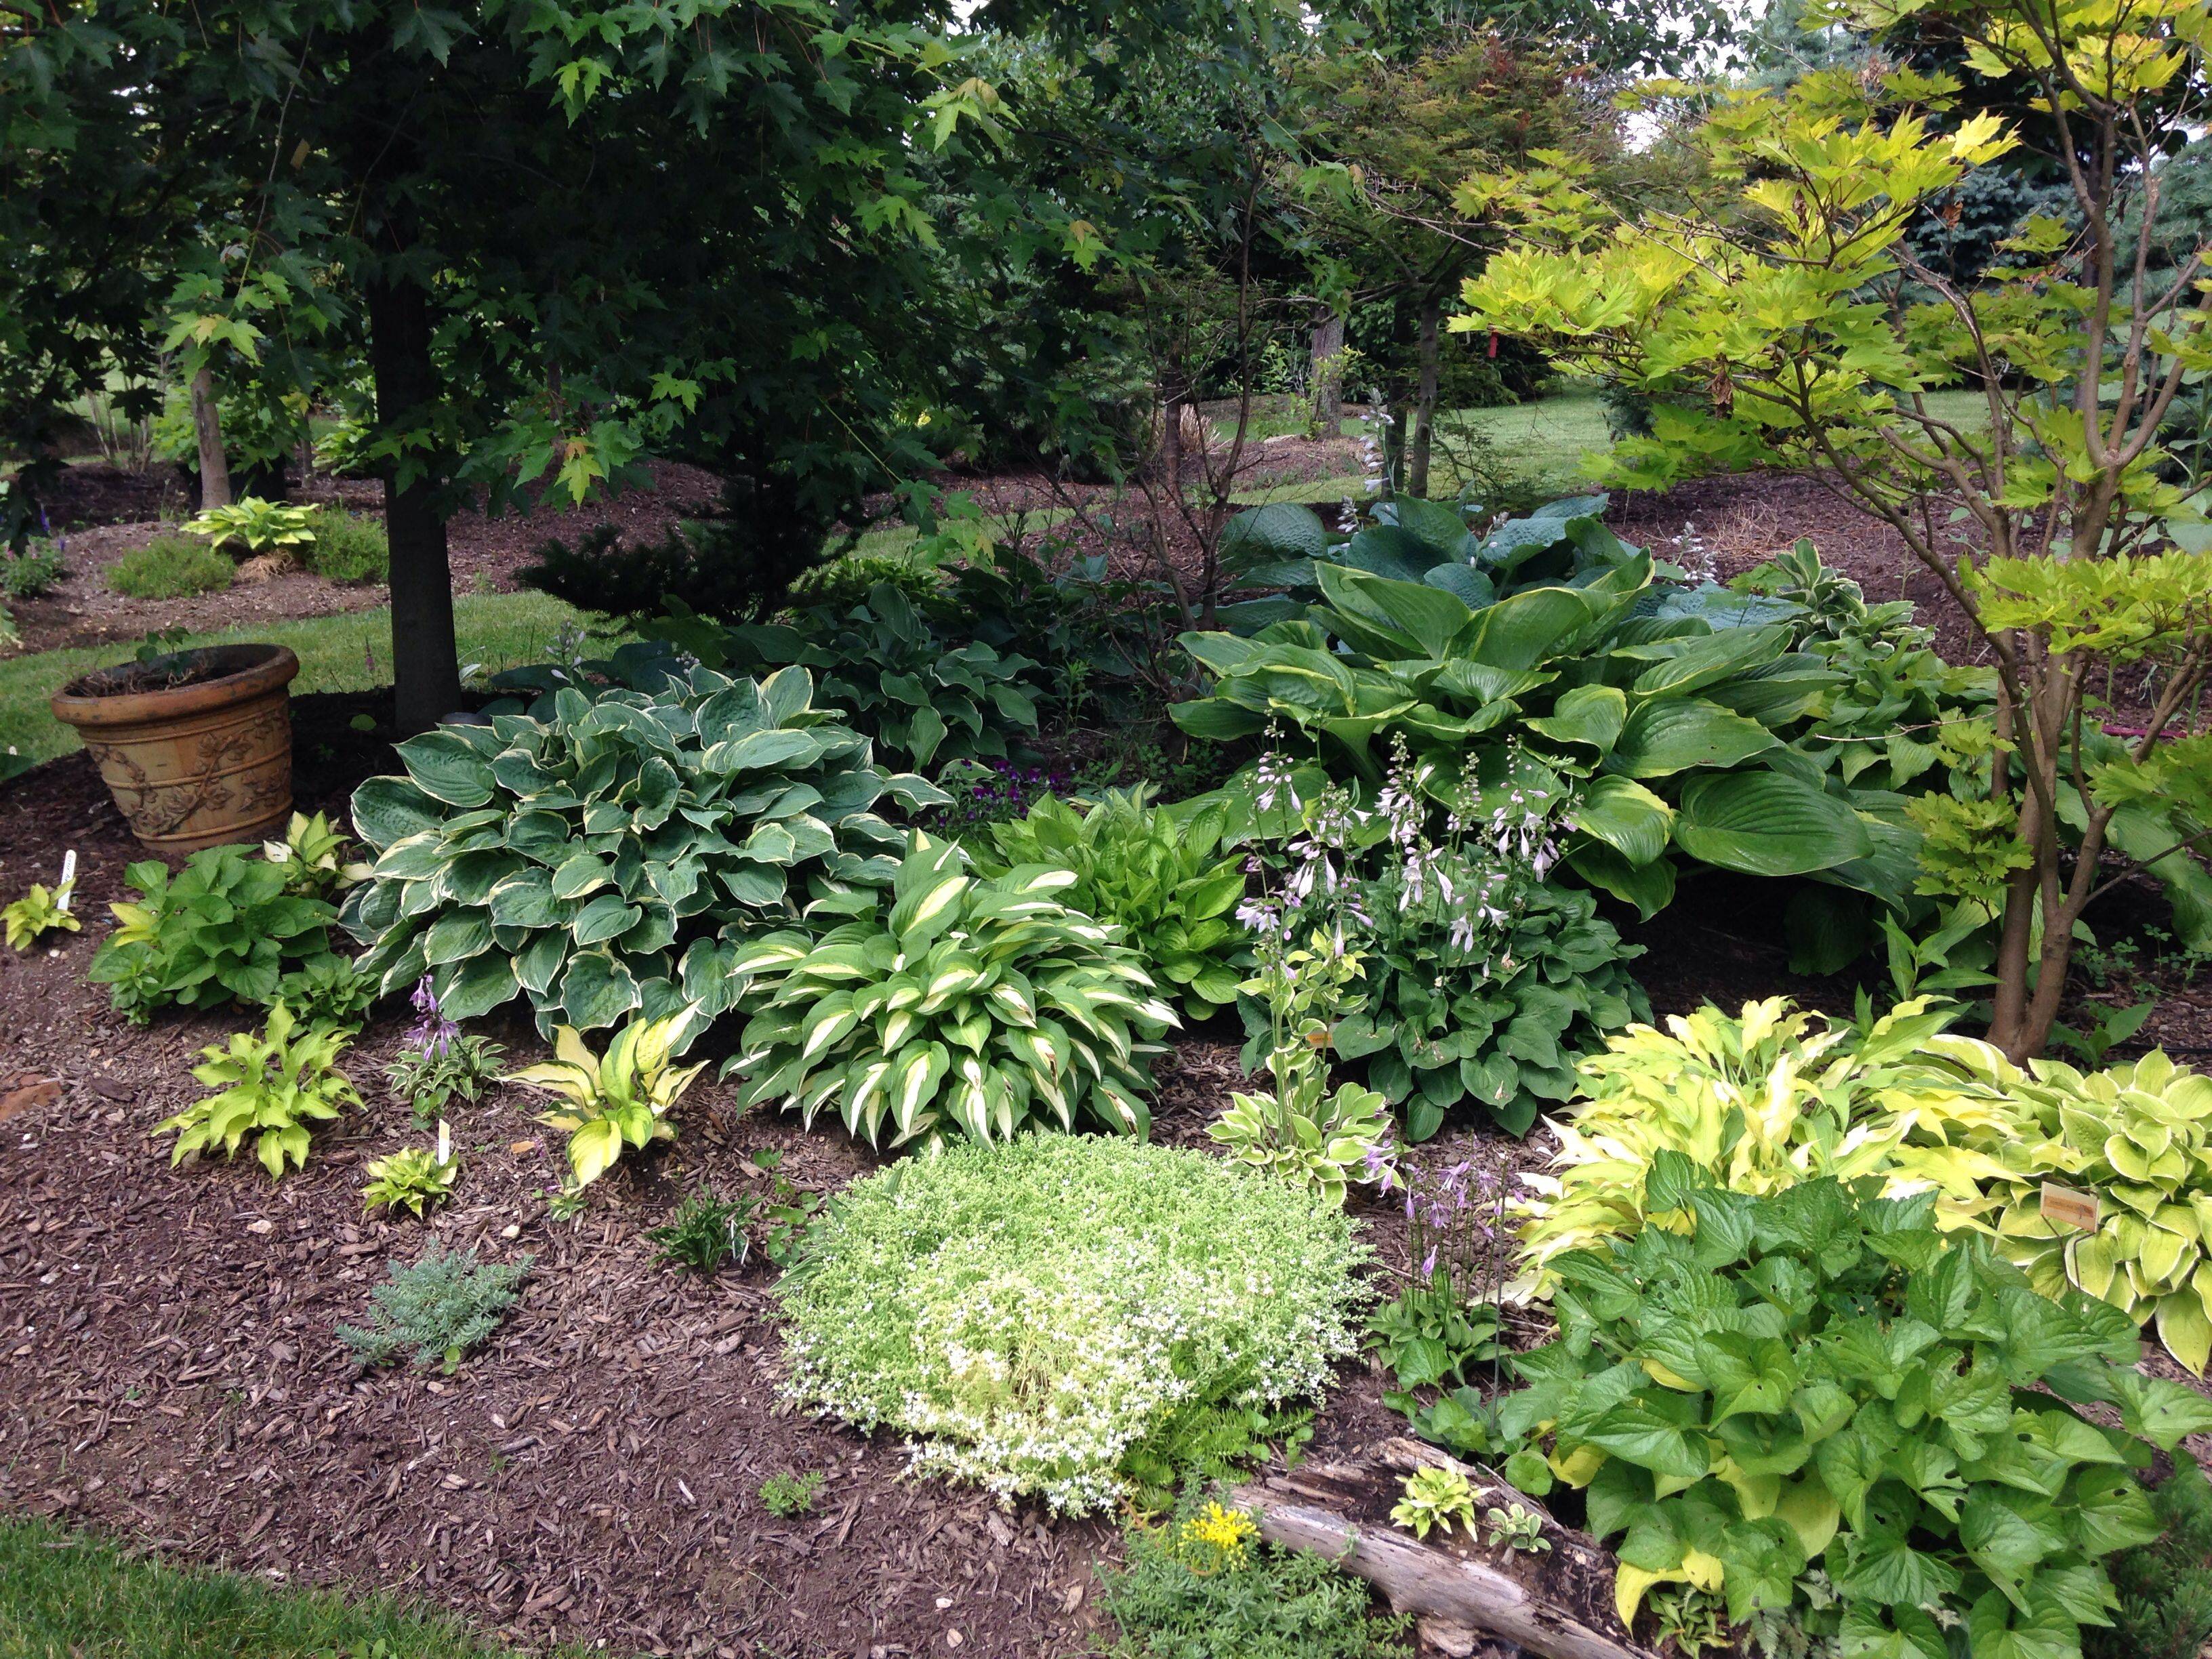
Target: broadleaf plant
x,y
1809,1381
275,1087
616,1100
951,1005
221,929
567,856
1158,876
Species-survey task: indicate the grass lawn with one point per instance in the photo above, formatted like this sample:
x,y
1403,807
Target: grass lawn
x,y
350,652
64,1597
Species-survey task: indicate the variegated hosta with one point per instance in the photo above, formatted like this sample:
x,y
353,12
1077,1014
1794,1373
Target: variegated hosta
x,y
1761,1103
2139,1137
952,1004
569,858
619,1099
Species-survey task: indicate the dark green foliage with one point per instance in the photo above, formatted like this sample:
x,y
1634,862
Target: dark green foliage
x,y
843,583
221,929
924,699
327,991
1887,1375
1174,1599
349,547
428,1074
437,1310
1200,1441
172,567
703,1233
786,1496
2165,1587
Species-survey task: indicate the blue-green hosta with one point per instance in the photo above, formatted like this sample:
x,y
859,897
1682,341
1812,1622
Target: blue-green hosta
x,y
1671,732
570,856
951,1005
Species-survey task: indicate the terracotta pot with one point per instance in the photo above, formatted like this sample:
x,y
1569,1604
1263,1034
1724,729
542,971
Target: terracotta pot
x,y
197,764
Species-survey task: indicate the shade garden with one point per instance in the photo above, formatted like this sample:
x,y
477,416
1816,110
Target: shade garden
x,y
1421,1070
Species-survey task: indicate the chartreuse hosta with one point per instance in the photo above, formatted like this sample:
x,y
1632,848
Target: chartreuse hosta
x,y
952,1004
1809,1383
1767,1100
617,1100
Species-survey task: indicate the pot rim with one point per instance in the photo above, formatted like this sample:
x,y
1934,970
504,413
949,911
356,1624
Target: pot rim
x,y
263,669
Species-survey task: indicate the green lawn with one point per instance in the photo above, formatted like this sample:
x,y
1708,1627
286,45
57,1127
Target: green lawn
x,y
64,1597
351,653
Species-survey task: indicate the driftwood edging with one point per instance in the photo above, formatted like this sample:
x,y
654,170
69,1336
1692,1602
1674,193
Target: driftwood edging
x,y
1557,1604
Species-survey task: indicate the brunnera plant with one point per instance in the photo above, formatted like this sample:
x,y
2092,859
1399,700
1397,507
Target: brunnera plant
x,y
1787,320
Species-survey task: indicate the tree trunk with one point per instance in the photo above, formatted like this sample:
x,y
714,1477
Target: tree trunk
x,y
1425,401
1326,380
207,428
425,662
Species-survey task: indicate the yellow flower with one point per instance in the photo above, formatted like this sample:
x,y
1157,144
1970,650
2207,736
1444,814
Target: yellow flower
x,y
1220,1537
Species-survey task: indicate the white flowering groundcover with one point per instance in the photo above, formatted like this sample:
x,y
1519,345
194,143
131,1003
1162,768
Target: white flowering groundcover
x,y
1026,1315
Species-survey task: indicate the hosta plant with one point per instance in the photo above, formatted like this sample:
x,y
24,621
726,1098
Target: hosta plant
x,y
40,911
567,856
952,1005
256,525
1758,1101
2139,1137
1434,1498
1807,1383
414,1177
1485,982
1028,1316
1160,877
617,1100
274,1086
221,929
923,699
1669,734
312,856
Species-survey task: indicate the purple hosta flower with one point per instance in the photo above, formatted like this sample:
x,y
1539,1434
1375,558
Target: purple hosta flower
x,y
1429,1263
433,1033
1380,1164
1272,782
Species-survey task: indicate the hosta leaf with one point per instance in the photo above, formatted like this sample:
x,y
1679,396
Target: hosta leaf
x,y
479,985
1766,824
457,935
595,990
1666,735
446,767
387,810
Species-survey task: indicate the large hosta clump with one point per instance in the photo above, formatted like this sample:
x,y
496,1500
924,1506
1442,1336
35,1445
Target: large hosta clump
x,y
568,855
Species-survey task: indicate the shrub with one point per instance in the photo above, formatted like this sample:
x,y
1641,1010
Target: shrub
x,y
349,547
223,928
950,1003
622,1098
1805,1381
568,855
273,1087
1030,1314
2164,1588
923,698
1201,1585
439,1308
1158,876
171,567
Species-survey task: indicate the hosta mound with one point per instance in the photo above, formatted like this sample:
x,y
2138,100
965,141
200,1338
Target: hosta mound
x,y
569,856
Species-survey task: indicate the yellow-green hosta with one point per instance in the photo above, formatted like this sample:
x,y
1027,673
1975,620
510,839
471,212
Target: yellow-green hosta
x,y
621,1099
1762,1100
2139,1137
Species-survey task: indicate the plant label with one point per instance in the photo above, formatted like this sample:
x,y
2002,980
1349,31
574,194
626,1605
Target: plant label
x,y
2069,1206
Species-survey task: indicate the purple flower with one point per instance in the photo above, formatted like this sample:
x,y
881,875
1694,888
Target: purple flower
x,y
433,1033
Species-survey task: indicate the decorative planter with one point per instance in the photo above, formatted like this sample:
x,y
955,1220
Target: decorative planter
x,y
196,747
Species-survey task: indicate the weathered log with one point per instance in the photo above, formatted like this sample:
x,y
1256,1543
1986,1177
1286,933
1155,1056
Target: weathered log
x,y
1557,1603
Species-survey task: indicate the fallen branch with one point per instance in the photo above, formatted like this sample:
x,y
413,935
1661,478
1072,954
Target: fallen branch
x,y
1557,1603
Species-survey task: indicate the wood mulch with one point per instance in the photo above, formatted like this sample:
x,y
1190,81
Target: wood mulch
x,y
593,1474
